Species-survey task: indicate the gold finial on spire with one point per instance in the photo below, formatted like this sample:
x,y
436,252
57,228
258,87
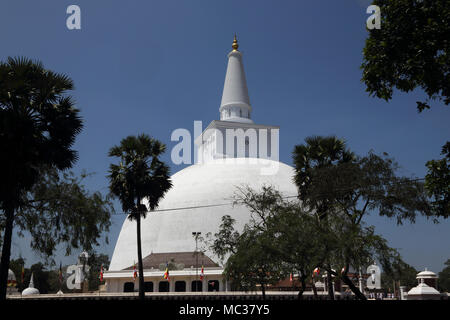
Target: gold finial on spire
x,y
235,45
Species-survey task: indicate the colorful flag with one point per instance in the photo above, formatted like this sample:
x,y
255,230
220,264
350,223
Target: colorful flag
x,y
202,274
101,273
166,274
134,272
291,278
316,271
343,269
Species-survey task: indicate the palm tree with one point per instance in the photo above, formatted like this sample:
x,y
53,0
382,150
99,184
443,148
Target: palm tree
x,y
139,175
38,126
318,152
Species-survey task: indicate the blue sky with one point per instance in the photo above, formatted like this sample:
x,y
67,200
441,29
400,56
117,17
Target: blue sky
x,y
154,66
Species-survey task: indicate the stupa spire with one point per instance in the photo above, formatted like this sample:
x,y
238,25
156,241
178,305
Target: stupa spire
x,y
31,285
235,105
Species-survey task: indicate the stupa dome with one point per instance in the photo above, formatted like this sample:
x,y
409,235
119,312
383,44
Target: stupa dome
x,y
200,196
31,290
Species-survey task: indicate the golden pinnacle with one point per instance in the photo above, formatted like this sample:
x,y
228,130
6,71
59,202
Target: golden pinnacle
x,y
235,45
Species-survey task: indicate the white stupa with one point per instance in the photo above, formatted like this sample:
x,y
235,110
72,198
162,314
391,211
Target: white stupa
x,y
12,283
31,290
202,193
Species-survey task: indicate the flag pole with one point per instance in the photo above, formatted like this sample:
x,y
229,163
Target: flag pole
x,y
196,234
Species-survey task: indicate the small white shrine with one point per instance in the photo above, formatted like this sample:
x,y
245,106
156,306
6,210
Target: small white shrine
x,y
425,291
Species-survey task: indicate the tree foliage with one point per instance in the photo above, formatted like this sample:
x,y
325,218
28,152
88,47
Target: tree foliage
x,y
341,189
226,240
283,238
292,240
140,175
38,126
95,262
410,50
400,273
60,210
255,262
437,183
355,185
317,152
45,279
444,278
369,184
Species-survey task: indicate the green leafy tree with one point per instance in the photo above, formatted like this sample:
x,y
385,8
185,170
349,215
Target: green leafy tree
x,y
437,183
318,152
45,279
252,259
225,241
95,262
399,274
302,242
348,188
41,278
444,278
354,246
59,210
16,266
410,50
139,175
283,238
292,231
38,126
56,281
369,184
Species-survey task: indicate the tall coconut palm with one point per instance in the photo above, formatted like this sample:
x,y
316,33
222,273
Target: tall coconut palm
x,y
318,152
38,126
139,175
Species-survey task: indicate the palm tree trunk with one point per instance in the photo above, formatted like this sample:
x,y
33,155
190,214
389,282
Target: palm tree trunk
x,y
141,268
6,251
